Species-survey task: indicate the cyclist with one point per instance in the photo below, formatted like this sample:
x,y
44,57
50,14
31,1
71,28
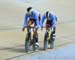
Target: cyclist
x,y
51,20
32,17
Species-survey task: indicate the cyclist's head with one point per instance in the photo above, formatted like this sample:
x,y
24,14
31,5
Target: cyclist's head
x,y
29,11
29,8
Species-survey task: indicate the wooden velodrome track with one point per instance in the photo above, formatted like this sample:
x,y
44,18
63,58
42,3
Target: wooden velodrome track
x,y
11,22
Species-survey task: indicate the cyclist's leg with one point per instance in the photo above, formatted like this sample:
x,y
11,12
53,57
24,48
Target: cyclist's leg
x,y
48,28
52,38
30,22
35,34
46,39
35,40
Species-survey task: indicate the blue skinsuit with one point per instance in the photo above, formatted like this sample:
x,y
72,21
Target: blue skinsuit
x,y
51,17
34,16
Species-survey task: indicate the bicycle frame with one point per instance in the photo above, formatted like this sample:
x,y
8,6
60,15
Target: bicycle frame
x,y
47,36
29,41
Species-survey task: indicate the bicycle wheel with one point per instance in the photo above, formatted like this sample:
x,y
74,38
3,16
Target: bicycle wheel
x,y
27,42
45,41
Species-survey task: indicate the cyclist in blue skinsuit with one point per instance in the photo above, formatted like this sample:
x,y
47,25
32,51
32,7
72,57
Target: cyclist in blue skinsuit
x,y
51,21
32,16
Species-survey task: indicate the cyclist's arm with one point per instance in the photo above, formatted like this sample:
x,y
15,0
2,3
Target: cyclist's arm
x,y
37,21
42,20
25,21
54,21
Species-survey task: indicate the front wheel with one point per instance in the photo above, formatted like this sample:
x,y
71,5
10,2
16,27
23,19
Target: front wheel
x,y
45,41
27,42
